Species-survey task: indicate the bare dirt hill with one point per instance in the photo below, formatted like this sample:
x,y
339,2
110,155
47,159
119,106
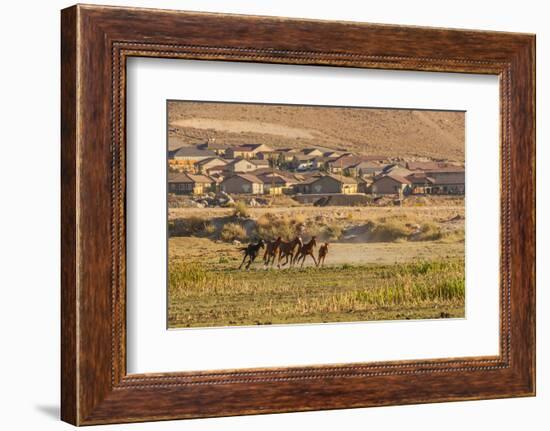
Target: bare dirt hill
x,y
389,132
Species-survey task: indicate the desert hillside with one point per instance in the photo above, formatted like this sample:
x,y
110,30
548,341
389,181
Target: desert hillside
x,y
391,132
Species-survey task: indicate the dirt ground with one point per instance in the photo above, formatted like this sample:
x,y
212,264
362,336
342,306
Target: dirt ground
x,y
203,249
366,276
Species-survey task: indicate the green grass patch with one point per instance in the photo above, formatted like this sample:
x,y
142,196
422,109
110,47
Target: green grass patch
x,y
201,296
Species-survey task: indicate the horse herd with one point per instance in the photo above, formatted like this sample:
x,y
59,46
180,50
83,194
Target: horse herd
x,y
289,252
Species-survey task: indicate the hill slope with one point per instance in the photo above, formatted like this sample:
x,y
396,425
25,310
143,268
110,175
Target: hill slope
x,y
391,132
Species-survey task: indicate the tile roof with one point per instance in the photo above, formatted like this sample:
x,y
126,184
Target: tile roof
x,y
452,178
210,159
343,179
189,178
242,148
419,178
449,169
340,178
272,179
191,152
248,177
397,178
305,157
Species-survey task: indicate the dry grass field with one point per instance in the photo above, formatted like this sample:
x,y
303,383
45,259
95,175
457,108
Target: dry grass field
x,y
384,263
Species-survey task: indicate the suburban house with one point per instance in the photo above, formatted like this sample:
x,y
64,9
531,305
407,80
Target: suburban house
x,y
185,184
321,162
390,185
241,152
242,184
363,186
219,149
428,165
274,184
212,162
304,186
191,153
247,151
338,165
290,177
260,163
347,161
394,169
312,152
421,183
267,155
240,165
333,184
286,155
448,181
364,169
185,158
302,162
216,176
259,148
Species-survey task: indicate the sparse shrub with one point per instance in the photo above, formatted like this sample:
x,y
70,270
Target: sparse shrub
x,y
333,231
297,218
390,230
210,229
240,209
270,226
193,225
429,232
179,201
456,235
233,231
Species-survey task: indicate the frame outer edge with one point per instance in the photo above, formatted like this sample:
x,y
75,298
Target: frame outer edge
x,y
69,211
528,61
523,217
88,397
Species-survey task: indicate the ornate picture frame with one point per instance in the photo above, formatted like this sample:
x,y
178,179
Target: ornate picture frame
x,y
96,41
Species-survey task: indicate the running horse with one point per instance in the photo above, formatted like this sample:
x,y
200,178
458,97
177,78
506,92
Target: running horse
x,y
306,250
286,250
251,252
271,250
323,251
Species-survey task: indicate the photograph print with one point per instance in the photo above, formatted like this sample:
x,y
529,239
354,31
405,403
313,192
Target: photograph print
x,y
298,214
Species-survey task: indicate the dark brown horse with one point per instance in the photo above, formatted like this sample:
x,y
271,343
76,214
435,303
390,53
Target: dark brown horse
x,y
306,250
286,250
323,251
271,250
251,252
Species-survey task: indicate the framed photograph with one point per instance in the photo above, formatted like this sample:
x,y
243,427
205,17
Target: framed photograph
x,y
267,215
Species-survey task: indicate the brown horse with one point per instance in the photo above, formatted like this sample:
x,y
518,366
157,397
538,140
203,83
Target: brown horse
x,y
286,250
323,251
306,250
271,250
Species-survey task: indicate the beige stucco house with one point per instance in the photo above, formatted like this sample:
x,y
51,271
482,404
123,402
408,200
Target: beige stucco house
x,y
390,185
243,184
333,184
185,184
